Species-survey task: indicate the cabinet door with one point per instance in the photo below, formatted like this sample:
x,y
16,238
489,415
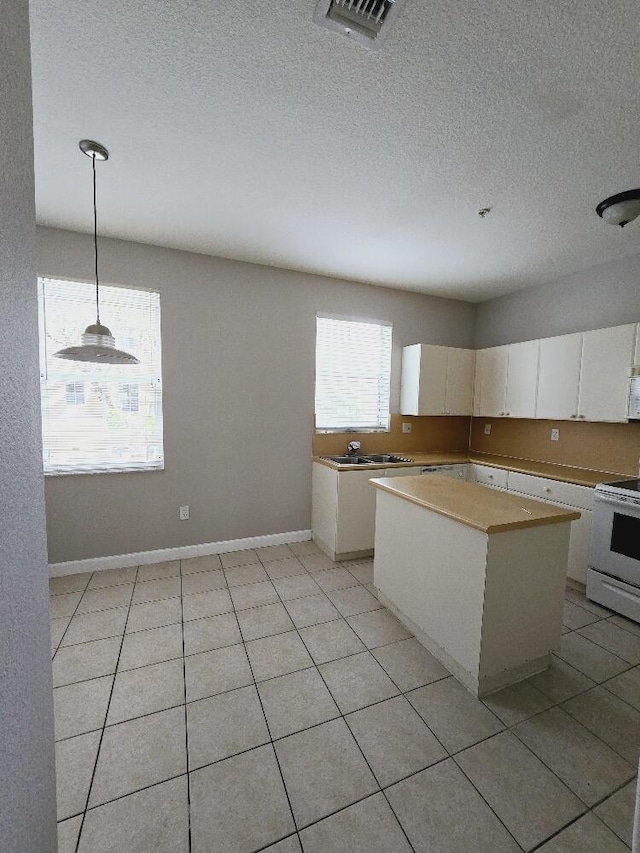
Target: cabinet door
x,y
559,377
522,379
410,380
324,496
433,380
459,390
356,511
607,357
490,382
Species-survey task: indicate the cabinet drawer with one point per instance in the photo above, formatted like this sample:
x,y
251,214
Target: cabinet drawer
x,y
487,476
570,494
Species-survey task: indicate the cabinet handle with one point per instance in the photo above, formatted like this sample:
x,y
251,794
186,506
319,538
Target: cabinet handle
x,y
574,416
490,476
547,489
582,417
507,413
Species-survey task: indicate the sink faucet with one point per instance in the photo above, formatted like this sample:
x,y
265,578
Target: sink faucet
x,y
353,448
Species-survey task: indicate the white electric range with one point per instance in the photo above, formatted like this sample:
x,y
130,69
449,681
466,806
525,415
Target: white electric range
x,y
613,576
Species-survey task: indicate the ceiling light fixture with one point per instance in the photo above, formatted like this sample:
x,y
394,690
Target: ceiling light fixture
x,y
621,208
98,344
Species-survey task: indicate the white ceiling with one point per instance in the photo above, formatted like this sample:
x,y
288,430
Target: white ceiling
x,y
243,129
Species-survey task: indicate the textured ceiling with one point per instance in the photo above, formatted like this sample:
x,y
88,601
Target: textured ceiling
x,y
242,129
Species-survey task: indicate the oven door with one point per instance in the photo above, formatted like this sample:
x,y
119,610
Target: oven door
x,y
615,544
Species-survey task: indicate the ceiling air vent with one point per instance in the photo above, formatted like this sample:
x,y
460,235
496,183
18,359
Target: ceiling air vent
x,y
366,21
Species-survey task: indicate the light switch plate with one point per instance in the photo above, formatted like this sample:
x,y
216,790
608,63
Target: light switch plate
x,y
555,435
406,427
487,429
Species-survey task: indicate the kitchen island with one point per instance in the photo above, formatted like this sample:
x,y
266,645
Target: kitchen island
x,y
478,575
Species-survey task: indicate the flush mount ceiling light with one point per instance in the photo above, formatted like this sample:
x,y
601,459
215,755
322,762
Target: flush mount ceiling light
x,y
621,208
98,344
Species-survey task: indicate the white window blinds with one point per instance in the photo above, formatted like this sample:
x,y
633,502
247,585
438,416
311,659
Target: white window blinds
x,y
100,417
353,368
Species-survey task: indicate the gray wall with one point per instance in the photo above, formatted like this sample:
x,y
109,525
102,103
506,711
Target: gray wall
x,y
607,295
27,776
238,347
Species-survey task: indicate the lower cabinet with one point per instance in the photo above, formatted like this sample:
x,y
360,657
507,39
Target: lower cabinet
x,y
567,495
344,506
485,475
343,509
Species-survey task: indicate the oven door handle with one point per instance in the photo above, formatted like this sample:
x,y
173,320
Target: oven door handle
x,y
629,505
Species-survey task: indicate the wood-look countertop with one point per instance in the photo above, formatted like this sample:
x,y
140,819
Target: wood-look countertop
x,y
486,509
564,473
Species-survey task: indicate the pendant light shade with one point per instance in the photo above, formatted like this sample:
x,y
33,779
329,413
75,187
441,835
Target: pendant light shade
x,y
97,343
620,209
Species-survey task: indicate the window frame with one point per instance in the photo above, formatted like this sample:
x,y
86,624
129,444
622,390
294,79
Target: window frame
x,y
74,469
320,430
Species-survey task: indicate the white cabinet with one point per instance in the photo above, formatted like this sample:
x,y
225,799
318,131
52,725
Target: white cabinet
x,y
485,475
459,391
343,507
567,495
559,377
607,357
436,380
586,376
507,381
490,382
522,379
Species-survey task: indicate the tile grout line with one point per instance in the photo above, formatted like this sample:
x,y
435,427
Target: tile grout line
x,y
341,715
55,652
184,693
104,725
268,727
604,648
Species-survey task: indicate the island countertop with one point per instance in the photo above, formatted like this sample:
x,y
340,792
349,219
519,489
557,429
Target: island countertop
x,y
474,505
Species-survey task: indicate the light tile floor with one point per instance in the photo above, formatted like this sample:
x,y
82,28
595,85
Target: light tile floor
x,y
263,700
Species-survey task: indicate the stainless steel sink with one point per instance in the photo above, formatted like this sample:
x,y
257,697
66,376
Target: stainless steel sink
x,y
386,457
350,460
373,459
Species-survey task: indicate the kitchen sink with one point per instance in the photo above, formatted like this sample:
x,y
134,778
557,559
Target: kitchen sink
x,y
386,457
373,459
350,460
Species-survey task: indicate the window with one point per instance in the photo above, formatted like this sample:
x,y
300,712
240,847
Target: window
x,y
74,394
353,368
100,417
129,397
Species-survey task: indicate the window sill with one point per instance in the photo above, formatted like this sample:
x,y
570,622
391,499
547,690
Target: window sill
x,y
72,472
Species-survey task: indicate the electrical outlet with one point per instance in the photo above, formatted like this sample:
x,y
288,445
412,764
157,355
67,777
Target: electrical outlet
x,y
406,427
184,513
487,429
555,435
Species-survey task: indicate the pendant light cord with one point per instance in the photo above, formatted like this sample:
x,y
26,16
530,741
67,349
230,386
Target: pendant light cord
x,y
95,236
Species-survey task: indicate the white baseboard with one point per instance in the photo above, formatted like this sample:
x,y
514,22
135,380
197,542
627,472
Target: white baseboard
x,y
141,558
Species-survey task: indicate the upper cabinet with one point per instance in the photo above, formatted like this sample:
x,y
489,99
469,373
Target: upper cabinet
x,y
506,381
586,376
436,380
607,358
559,377
490,382
522,379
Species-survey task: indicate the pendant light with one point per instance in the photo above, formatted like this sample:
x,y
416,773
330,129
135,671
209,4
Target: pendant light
x,y
98,344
